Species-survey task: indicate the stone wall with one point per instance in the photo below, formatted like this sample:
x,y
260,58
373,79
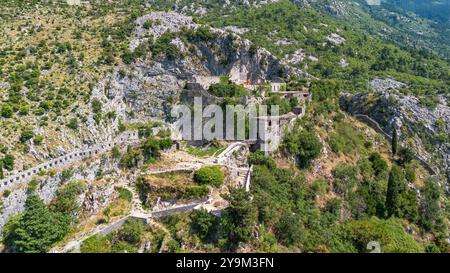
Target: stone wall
x,y
14,202
374,125
66,160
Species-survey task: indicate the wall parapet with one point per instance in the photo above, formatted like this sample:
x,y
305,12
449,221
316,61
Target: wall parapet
x,y
128,137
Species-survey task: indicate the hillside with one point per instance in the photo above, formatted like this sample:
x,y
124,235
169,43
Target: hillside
x,y
364,155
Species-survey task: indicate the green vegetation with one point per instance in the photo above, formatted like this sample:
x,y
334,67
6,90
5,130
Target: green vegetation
x,y
73,123
49,75
237,220
203,224
226,88
6,163
152,147
210,175
37,140
96,244
368,56
125,240
36,229
205,152
26,135
394,143
125,194
40,226
388,233
304,145
345,139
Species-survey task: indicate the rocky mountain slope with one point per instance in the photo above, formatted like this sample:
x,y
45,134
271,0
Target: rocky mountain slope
x,y
421,129
178,51
124,64
420,24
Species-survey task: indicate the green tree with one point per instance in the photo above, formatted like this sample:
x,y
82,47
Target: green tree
x,y
305,146
73,123
38,140
238,220
123,247
37,229
131,158
259,158
290,229
65,201
408,206
96,106
389,233
132,231
203,223
379,165
115,152
396,187
431,216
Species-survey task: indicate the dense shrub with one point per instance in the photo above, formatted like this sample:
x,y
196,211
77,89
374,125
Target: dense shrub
x,y
8,162
65,201
7,111
96,106
26,135
73,123
152,147
210,175
259,158
203,223
37,140
226,88
379,165
130,158
304,145
388,233
238,219
131,231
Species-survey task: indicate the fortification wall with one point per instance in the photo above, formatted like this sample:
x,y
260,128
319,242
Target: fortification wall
x,y
64,161
374,125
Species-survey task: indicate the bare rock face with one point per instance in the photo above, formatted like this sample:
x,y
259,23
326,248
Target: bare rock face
x,y
98,195
158,24
422,129
200,8
147,88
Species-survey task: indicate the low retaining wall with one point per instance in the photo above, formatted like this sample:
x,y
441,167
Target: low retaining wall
x,y
118,224
185,208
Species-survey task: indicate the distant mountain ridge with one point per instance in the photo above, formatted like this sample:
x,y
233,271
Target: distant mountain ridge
x,y
433,10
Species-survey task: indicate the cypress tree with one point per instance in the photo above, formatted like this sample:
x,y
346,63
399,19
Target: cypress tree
x,y
396,187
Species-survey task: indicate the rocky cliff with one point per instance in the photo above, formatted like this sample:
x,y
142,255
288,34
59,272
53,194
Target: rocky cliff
x,y
422,129
146,88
